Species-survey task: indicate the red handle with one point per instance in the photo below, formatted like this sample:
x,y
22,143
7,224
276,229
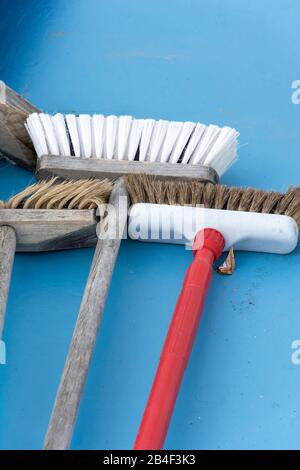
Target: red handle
x,y
208,246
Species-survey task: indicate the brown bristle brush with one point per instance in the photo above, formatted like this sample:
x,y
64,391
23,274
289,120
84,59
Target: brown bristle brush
x,y
143,189
164,211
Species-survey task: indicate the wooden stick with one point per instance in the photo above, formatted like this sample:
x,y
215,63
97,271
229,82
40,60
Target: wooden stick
x,y
7,254
76,367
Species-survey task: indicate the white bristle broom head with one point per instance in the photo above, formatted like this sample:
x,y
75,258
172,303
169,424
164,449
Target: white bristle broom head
x,y
127,138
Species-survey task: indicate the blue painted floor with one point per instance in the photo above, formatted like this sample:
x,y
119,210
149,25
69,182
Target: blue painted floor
x,y
229,63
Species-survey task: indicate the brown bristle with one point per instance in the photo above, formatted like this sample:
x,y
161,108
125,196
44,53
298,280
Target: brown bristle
x,y
292,209
246,199
209,192
153,190
258,200
196,193
235,195
222,196
79,194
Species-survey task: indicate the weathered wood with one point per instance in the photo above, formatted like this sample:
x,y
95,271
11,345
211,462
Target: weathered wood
x,y
7,254
75,168
15,150
14,120
15,142
68,397
52,229
15,100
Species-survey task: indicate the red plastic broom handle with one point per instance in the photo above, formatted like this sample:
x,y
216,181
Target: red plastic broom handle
x,y
208,246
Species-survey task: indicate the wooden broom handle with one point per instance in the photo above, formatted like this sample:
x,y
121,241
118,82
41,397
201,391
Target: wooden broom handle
x,y
7,254
64,413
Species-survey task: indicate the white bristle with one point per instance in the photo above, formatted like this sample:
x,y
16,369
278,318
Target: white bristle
x,y
193,142
98,135
60,130
111,128
134,138
124,126
35,129
182,140
49,133
173,131
205,144
126,138
146,136
223,152
73,132
157,139
85,134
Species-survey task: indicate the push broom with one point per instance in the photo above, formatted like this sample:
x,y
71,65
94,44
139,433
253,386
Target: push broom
x,y
246,219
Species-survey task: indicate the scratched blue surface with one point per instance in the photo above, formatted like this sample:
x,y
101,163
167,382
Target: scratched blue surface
x,y
229,63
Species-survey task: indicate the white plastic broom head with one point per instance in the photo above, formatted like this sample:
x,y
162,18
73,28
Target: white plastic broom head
x,y
247,231
127,138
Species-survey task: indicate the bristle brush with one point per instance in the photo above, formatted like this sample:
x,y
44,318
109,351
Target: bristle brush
x,y
110,146
159,214
239,212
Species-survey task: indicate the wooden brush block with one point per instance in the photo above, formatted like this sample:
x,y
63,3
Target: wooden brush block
x,y
48,230
75,168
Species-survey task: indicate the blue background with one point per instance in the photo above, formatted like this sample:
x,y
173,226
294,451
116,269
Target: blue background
x,y
226,62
